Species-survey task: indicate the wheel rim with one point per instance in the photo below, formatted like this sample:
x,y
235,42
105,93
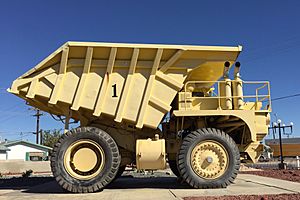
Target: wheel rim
x,y
84,159
209,159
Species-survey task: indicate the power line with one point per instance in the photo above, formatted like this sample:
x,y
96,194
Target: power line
x,y
20,136
13,107
8,118
16,113
259,53
15,132
3,91
275,45
286,97
23,135
9,114
272,53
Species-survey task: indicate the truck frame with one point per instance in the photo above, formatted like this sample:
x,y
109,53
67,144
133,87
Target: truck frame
x,y
148,105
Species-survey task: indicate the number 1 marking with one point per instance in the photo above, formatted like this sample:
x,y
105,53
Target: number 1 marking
x,y
114,90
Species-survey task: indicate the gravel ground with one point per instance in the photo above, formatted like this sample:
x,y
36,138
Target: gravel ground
x,y
289,175
249,197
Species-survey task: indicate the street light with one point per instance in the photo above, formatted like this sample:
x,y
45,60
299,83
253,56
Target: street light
x,y
279,127
281,165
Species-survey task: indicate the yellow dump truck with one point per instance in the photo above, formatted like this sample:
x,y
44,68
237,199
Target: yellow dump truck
x,y
148,105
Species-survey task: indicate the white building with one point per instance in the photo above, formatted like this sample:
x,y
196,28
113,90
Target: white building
x,y
3,154
23,150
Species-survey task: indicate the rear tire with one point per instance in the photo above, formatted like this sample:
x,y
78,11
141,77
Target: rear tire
x,y
208,158
85,160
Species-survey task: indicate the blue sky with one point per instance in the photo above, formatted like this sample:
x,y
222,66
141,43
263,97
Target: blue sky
x,y
268,30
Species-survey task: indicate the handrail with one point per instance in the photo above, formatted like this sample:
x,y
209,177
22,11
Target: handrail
x,y
258,97
257,90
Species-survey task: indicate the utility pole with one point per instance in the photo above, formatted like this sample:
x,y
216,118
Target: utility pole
x,y
37,115
41,137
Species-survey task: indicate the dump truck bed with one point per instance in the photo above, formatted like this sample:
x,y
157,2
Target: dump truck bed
x,y
125,82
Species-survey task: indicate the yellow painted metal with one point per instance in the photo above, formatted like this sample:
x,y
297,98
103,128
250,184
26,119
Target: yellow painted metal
x,y
237,91
256,121
150,154
135,83
132,86
223,92
209,159
84,159
253,110
228,94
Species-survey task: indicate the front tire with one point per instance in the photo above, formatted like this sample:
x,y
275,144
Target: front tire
x,y
121,170
85,160
174,168
208,158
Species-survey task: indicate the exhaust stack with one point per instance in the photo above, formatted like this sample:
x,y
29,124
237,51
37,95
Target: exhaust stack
x,y
238,100
228,93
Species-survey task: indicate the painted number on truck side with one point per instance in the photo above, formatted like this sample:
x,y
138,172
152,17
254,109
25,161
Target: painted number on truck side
x,y
114,90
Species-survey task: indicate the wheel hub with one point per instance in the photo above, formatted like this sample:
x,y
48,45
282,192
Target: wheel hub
x,y
209,159
84,159
84,154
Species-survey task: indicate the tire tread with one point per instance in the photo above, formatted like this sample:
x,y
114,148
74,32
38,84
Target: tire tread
x,y
189,176
97,186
